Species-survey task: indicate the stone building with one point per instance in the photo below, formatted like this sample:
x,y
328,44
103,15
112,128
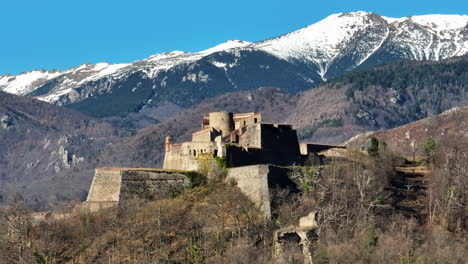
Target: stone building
x,y
241,138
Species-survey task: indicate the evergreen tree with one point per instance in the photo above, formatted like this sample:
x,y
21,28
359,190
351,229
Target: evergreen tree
x,y
428,149
373,148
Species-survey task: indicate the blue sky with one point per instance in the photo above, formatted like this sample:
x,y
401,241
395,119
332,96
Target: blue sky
x,y
59,34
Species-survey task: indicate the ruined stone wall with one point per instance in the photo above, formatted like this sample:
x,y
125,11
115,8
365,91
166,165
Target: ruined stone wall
x,y
184,156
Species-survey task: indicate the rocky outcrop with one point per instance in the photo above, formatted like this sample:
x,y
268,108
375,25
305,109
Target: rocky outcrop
x,y
6,122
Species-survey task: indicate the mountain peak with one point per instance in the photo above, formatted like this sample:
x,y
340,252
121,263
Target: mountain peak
x,y
230,44
337,44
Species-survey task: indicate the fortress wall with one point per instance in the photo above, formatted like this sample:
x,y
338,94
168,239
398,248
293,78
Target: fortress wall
x,y
267,144
253,182
105,186
205,136
184,157
275,136
307,148
238,156
202,136
251,136
280,143
257,181
252,119
111,185
152,185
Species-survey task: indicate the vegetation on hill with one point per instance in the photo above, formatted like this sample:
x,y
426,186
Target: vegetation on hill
x,y
420,137
415,90
380,98
366,214
41,144
372,99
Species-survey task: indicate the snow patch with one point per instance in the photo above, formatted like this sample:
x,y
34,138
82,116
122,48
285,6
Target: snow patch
x,y
231,44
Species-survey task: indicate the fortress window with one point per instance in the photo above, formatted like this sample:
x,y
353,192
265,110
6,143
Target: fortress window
x,y
194,153
244,123
255,120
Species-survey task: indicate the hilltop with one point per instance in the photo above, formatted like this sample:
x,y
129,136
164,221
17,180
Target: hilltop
x,y
448,126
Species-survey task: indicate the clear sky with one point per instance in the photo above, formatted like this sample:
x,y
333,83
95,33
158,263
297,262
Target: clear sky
x,y
59,34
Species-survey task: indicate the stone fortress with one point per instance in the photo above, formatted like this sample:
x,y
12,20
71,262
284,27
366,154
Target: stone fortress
x,y
256,155
242,139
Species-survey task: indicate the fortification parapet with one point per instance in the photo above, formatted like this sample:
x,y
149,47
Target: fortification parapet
x,y
110,185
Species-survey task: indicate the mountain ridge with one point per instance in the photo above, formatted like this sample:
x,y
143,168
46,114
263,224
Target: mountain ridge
x,y
294,61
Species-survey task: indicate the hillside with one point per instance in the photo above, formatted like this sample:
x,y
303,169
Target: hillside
x,y
450,125
295,62
41,144
379,98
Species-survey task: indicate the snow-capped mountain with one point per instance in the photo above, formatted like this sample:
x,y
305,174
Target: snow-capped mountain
x,y
295,61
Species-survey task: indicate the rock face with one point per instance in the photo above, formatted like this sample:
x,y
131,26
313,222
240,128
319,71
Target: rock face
x,y
6,121
41,147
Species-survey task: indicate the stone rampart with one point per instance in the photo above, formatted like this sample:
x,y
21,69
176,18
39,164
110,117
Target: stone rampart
x,y
253,182
256,182
111,185
152,185
105,186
